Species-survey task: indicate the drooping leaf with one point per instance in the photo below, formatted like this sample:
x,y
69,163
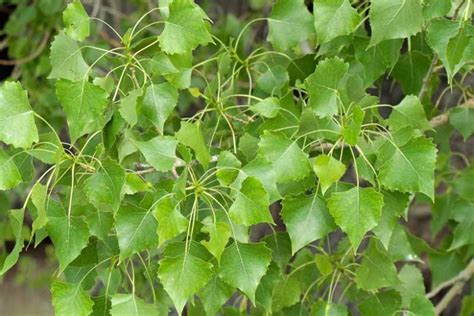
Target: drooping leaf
x,y
244,265
219,234
462,118
215,294
273,79
251,204
182,276
131,305
409,112
159,151
17,120
422,306
104,188
409,168
76,21
227,167
185,28
285,293
136,229
190,135
462,212
395,205
411,284
290,23
436,8
352,130
391,19
383,303
69,233
376,269
322,308
334,18
84,104
66,59
10,176
170,220
356,211
70,299
158,103
325,86
39,195
16,223
328,170
269,107
288,160
307,219
128,106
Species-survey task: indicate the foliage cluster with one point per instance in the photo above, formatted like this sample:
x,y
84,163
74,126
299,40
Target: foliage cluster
x,y
245,166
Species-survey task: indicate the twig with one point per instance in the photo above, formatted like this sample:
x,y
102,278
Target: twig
x,y
41,47
457,284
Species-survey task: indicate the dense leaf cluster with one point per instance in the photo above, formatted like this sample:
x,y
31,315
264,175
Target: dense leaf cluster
x,y
220,173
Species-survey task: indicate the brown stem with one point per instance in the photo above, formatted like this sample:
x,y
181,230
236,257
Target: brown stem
x,y
29,58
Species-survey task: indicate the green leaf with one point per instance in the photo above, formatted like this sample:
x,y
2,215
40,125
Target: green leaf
x,y
306,219
322,308
391,19
376,59
325,86
160,152
185,28
76,21
39,197
70,299
10,176
244,265
128,106
16,223
66,59
171,222
462,118
135,183
158,103
409,112
136,229
376,269
395,205
190,135
328,170
273,79
436,8
104,188
383,303
356,211
182,276
409,168
70,234
333,18
289,24
264,293
251,204
286,293
462,212
17,120
269,107
227,167
288,160
215,294
443,34
411,284
455,49
352,129
421,306
219,234
131,305
84,104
